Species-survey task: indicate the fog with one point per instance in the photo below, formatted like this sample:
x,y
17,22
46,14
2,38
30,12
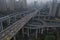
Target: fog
x,y
43,1
29,1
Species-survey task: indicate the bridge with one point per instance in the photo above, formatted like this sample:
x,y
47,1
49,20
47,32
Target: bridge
x,y
33,22
15,22
11,30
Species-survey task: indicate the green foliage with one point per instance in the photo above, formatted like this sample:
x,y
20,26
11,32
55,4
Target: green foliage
x,y
50,37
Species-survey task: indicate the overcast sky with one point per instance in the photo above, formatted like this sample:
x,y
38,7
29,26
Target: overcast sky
x,y
29,1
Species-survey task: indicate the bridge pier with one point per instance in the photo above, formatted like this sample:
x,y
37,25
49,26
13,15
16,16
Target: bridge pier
x,y
14,38
39,30
36,33
28,32
23,32
15,17
42,31
47,29
1,26
58,35
9,21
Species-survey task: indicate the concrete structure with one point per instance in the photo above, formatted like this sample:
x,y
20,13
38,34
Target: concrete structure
x,y
9,20
36,27
59,13
12,4
28,24
3,5
24,3
31,21
53,8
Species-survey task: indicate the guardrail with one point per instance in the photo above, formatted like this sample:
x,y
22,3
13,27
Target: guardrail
x,y
10,31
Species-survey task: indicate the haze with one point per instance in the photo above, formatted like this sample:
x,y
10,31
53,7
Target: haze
x,y
29,1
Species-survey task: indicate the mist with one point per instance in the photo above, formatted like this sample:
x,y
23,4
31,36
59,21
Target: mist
x,y
44,1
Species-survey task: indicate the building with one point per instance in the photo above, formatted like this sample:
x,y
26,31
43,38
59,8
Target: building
x,y
53,7
24,3
35,4
59,13
12,4
3,5
58,10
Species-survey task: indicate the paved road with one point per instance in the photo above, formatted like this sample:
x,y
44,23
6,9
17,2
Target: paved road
x,y
15,27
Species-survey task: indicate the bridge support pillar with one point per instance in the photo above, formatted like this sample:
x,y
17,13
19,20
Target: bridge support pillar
x,y
15,18
28,32
39,30
14,38
9,21
42,31
1,26
47,30
23,32
58,37
36,33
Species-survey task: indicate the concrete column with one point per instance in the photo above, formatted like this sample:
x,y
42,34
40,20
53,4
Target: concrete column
x,y
38,15
8,21
47,30
15,17
1,26
39,30
14,38
42,31
58,37
23,32
36,33
28,32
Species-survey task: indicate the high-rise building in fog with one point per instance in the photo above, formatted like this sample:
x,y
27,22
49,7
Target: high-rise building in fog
x,y
58,10
35,4
53,8
12,4
24,3
2,5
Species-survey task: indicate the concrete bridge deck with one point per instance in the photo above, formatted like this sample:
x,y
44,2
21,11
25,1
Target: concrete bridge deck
x,y
10,31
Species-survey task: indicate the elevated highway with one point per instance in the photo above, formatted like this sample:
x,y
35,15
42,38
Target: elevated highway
x,y
17,21
11,30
